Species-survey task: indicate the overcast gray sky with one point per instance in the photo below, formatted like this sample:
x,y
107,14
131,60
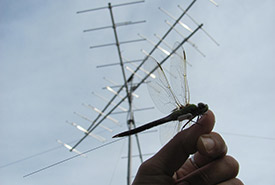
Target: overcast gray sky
x,y
47,71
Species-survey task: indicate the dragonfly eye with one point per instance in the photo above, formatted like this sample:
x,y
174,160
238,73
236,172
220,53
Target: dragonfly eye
x,y
202,107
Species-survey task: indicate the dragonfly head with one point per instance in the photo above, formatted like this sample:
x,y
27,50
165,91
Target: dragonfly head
x,y
202,108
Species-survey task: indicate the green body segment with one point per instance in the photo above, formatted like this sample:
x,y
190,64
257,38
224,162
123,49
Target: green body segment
x,y
188,109
192,109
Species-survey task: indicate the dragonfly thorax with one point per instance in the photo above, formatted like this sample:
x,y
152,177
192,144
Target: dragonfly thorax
x,y
194,110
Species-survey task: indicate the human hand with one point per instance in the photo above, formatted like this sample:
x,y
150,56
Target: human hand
x,y
209,165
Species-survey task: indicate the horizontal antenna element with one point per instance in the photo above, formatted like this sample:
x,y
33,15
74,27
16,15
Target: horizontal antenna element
x,y
213,2
198,25
188,41
87,119
98,111
99,138
112,44
116,84
105,7
105,99
151,42
181,23
117,25
71,148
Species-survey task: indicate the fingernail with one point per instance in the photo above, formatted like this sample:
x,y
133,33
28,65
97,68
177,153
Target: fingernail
x,y
208,143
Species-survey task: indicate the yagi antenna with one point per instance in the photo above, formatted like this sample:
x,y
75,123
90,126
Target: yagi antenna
x,y
98,121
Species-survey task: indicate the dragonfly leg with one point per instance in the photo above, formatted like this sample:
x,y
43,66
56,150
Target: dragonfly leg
x,y
186,124
190,119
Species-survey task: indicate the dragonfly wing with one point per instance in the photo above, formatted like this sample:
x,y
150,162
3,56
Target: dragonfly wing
x,y
178,75
169,130
159,88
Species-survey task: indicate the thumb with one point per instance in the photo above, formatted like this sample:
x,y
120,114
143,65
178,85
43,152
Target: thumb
x,y
173,155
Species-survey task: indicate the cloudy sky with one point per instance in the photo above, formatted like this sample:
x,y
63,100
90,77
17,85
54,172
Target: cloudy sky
x,y
47,72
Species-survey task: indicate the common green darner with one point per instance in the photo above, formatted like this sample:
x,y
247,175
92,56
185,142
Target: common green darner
x,y
176,100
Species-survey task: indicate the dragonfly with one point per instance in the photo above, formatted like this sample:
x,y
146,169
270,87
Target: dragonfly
x,y
174,97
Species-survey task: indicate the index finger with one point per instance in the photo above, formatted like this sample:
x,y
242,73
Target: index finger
x,y
173,155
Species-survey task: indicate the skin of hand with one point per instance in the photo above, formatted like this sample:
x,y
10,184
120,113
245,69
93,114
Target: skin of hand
x,y
209,164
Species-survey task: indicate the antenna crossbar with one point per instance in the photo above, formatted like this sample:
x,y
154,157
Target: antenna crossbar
x,y
113,64
117,25
105,7
112,44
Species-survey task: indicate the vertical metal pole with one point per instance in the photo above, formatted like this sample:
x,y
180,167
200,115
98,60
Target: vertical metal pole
x,y
119,52
129,96
129,166
130,123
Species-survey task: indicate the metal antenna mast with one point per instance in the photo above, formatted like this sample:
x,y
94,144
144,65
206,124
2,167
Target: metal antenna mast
x,y
128,83
130,122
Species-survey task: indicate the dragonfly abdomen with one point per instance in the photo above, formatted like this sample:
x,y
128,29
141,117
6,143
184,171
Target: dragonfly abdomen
x,y
145,127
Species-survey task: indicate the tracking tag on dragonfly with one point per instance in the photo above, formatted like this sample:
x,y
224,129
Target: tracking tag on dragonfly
x,y
185,117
